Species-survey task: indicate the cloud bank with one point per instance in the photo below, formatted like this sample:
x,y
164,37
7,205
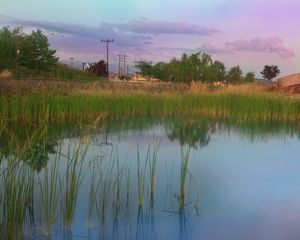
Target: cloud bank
x,y
141,38
268,45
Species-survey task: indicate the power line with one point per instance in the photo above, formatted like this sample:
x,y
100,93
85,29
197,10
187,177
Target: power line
x,y
107,41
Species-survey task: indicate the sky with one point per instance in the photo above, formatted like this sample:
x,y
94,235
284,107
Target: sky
x,y
249,33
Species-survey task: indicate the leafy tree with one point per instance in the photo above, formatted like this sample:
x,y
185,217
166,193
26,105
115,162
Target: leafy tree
x,y
234,75
215,72
35,53
10,40
249,77
99,69
145,68
270,71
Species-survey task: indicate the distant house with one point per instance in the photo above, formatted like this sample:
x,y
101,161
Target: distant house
x,y
290,83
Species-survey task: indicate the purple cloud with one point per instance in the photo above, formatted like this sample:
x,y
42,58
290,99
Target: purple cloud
x,y
160,27
268,45
209,48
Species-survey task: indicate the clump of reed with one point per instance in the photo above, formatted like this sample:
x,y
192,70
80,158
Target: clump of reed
x,y
50,192
71,182
104,183
185,158
17,183
141,176
53,107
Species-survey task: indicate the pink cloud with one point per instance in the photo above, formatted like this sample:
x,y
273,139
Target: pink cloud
x,y
268,45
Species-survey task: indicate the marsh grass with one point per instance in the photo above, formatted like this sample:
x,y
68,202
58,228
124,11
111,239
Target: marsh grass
x,y
50,192
141,176
105,187
117,196
54,108
16,197
71,182
185,158
152,173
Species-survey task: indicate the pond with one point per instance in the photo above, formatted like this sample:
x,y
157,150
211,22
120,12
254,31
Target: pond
x,y
151,178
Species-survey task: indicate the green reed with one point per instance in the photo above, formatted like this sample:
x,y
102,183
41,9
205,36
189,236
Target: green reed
x,y
70,183
54,107
50,192
152,173
141,175
17,183
185,158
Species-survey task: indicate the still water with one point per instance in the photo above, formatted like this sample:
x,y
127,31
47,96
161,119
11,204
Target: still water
x,y
166,179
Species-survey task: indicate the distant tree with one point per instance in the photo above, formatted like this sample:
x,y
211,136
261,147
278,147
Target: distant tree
x,y
35,53
250,77
99,69
270,71
215,72
145,68
234,75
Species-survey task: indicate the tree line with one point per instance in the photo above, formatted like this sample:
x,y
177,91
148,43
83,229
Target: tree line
x,y
200,67
31,54
195,67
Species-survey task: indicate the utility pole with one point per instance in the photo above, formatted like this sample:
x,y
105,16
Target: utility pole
x,y
71,61
124,56
119,73
107,41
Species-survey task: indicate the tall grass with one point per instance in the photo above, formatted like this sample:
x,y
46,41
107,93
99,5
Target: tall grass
x,y
16,195
50,192
71,183
185,158
141,176
52,107
152,173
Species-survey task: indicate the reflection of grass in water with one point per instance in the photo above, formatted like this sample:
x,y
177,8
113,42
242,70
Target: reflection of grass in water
x,y
141,176
117,197
102,187
111,184
185,158
127,193
71,182
152,169
16,197
49,191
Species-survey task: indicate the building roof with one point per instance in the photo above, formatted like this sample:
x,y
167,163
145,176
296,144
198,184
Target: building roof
x,y
289,80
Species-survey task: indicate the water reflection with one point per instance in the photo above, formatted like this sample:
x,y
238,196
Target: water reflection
x,y
53,181
33,143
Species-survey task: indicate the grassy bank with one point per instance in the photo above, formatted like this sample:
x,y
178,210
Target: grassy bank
x,y
54,107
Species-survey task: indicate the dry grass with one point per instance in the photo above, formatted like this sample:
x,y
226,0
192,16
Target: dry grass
x,y
245,88
8,87
5,74
122,88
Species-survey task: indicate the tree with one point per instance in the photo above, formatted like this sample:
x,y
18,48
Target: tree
x,y
270,72
249,77
234,75
35,53
99,69
10,40
215,72
145,68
